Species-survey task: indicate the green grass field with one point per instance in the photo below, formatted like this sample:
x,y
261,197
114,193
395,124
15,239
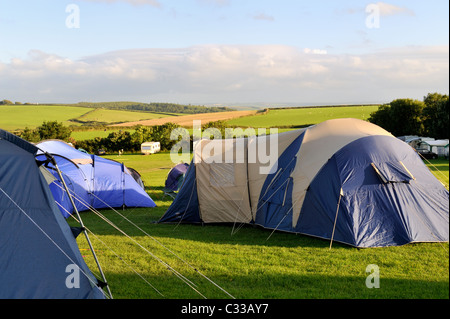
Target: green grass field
x,y
91,134
301,117
17,117
247,264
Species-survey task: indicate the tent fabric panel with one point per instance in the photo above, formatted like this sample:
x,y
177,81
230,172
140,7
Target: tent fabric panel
x,y
82,198
108,190
78,180
275,202
185,207
374,216
321,204
15,160
391,151
222,185
417,202
33,266
277,211
135,196
256,175
363,218
59,147
97,182
321,141
36,244
13,139
372,213
423,212
392,172
175,175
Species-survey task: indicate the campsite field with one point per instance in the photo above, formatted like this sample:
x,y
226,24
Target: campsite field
x,y
245,263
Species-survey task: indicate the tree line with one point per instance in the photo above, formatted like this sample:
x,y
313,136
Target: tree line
x,y
131,142
429,117
115,141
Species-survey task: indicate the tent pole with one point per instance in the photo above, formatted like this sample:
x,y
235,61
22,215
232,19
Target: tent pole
x,y
335,219
81,224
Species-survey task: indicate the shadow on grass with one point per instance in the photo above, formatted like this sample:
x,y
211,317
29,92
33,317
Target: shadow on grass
x,y
226,233
275,286
271,274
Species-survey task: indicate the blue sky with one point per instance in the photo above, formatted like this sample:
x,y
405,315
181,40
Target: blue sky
x,y
223,51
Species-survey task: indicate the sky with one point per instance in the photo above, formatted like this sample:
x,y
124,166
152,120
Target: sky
x,y
223,51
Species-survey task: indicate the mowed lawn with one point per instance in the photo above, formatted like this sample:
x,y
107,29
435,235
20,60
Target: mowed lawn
x,y
246,264
301,117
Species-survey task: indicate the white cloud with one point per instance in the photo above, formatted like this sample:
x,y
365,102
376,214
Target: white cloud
x,y
314,51
384,9
228,73
387,9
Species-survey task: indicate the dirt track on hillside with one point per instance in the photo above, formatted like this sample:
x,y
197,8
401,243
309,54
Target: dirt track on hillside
x,y
187,120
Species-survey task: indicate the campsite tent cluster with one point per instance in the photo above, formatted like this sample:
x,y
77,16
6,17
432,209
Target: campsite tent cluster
x,y
342,180
345,180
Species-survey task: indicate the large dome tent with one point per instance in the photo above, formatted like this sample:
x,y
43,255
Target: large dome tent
x,y
344,180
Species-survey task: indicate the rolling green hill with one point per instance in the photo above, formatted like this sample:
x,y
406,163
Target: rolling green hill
x,y
17,117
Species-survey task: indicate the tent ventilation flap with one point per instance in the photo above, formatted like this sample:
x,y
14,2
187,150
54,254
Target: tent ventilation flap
x,y
393,172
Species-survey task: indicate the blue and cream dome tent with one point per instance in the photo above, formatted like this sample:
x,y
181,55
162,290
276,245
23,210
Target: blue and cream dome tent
x,y
343,180
94,181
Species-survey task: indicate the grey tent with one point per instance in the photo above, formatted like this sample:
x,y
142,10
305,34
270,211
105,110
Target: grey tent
x,y
39,256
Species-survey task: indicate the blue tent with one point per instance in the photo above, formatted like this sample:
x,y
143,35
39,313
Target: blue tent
x,y
95,181
39,256
176,176
343,180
